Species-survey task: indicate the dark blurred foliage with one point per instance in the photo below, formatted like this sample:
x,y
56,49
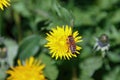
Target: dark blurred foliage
x,y
25,23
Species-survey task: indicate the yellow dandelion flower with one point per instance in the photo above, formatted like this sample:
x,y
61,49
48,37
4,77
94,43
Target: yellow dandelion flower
x,y
4,3
32,70
59,42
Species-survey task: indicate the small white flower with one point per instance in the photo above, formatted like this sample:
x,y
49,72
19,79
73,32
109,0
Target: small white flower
x,y
102,44
3,52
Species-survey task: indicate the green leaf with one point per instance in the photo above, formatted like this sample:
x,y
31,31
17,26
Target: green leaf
x,y
2,73
29,47
51,71
105,4
21,8
83,77
113,33
113,75
84,18
115,18
12,49
113,57
90,65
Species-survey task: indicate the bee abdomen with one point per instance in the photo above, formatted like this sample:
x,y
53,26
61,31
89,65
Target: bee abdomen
x,y
73,49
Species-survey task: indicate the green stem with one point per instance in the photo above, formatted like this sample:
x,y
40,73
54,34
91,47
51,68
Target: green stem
x,y
1,23
18,25
106,63
74,75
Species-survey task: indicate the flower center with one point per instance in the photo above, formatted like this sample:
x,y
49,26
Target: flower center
x,y
62,43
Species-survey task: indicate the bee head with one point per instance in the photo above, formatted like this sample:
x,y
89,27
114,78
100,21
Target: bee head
x,y
104,38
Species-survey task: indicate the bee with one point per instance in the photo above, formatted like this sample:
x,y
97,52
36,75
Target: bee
x,y
102,44
71,43
104,39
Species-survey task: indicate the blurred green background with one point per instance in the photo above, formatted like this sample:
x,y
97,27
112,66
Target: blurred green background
x,y
25,23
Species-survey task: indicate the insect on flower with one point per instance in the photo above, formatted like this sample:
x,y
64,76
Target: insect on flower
x,y
62,42
71,44
102,43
